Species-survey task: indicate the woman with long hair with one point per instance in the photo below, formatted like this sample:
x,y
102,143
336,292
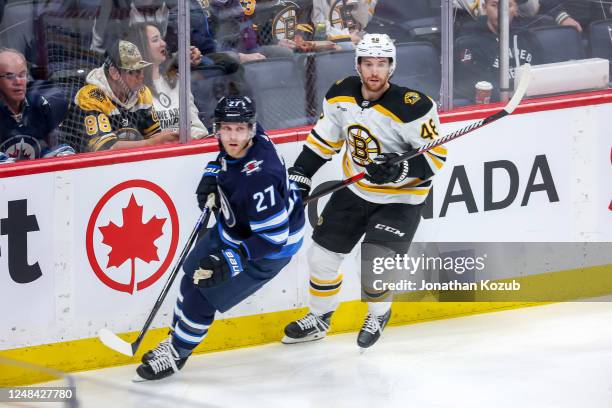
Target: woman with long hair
x,y
162,77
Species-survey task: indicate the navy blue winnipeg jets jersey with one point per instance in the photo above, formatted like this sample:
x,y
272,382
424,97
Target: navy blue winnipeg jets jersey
x,y
260,209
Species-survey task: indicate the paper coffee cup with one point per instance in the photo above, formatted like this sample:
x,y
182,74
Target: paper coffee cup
x,y
483,92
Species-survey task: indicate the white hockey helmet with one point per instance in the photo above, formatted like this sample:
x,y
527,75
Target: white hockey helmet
x,y
376,45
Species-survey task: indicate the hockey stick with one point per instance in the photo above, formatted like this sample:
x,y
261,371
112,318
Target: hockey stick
x,y
113,341
507,110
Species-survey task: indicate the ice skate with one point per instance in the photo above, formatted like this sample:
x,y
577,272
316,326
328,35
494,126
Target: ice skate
x,y
308,328
372,329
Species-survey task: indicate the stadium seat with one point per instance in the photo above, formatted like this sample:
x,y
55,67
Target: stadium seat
x,y
600,40
327,68
208,86
419,68
556,44
278,89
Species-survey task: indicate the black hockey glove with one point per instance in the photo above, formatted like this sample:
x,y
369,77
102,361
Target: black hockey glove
x,y
296,174
382,172
220,267
208,184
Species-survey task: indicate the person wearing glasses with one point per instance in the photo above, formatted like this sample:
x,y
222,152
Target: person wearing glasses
x,y
28,119
115,109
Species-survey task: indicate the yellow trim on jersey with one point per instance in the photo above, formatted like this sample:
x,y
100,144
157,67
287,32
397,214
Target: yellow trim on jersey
x,y
435,160
325,293
151,129
441,150
305,27
384,111
327,282
145,96
381,189
338,99
336,145
97,143
313,142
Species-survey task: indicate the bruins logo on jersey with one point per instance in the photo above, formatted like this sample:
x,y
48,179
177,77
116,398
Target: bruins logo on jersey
x,y
410,98
285,23
362,145
341,14
96,94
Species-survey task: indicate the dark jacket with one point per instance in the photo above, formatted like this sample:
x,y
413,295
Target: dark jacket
x,y
30,134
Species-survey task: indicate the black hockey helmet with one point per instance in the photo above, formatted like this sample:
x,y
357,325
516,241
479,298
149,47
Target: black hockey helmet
x,y
235,109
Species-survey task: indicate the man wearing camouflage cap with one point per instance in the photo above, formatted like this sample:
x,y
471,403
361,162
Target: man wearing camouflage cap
x,y
115,109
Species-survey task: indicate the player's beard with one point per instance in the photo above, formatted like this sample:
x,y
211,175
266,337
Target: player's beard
x,y
379,86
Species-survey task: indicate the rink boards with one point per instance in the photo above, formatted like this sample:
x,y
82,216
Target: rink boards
x,y
73,232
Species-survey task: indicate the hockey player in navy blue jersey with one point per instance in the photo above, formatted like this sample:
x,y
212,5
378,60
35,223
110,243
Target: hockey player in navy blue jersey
x,y
259,228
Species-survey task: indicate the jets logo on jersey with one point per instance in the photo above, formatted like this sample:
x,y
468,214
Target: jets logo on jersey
x,y
22,147
410,98
226,209
251,167
362,144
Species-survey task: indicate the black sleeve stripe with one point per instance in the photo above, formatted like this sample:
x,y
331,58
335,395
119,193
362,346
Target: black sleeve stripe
x,y
320,139
442,158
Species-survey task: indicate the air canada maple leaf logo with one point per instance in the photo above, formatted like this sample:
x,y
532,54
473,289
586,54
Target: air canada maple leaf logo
x,y
134,239
132,235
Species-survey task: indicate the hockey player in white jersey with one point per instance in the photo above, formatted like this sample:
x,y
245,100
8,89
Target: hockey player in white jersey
x,y
376,120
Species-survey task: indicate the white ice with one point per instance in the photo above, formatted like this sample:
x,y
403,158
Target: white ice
x,y
554,356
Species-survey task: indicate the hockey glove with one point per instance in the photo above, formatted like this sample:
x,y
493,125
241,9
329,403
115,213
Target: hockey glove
x,y
208,184
296,174
383,172
218,268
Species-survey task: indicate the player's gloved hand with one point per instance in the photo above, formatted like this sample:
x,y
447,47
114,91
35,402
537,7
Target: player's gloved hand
x,y
208,184
383,172
296,174
218,268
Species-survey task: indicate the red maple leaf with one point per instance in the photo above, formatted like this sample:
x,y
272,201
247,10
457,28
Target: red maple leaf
x,y
134,239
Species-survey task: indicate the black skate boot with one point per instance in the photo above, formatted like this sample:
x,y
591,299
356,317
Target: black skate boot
x,y
151,354
164,362
308,328
372,329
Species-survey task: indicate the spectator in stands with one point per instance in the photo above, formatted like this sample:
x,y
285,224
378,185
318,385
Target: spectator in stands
x,y
201,35
232,25
116,16
161,78
577,13
332,25
115,109
28,119
477,55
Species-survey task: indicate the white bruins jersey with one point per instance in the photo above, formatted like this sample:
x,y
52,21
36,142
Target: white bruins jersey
x,y
401,120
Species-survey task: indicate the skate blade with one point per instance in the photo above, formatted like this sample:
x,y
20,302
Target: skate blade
x,y
138,379
312,337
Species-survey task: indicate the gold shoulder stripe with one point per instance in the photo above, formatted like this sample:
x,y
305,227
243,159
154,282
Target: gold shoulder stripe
x,y
339,99
145,96
384,111
92,98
